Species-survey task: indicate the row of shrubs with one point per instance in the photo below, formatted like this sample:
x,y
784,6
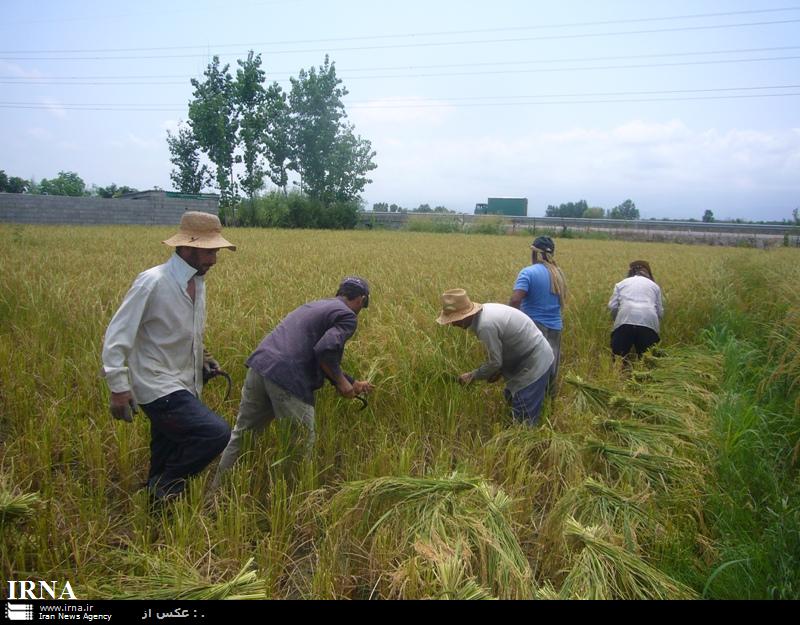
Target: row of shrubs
x,y
291,210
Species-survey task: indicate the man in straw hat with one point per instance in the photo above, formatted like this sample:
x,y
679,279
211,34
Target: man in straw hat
x,y
540,292
153,356
293,361
636,308
515,347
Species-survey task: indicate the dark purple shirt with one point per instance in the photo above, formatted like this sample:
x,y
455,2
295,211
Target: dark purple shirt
x,y
290,355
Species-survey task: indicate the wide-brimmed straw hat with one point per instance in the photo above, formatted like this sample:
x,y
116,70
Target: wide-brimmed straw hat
x,y
201,230
456,306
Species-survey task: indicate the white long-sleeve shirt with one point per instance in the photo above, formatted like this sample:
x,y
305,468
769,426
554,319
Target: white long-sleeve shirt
x,y
636,301
154,343
514,345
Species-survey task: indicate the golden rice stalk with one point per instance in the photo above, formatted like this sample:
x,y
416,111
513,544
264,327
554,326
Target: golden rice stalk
x,y
658,469
166,579
635,433
388,518
596,503
603,569
593,395
16,507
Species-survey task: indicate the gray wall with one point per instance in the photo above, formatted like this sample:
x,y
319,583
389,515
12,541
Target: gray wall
x,y
60,209
757,235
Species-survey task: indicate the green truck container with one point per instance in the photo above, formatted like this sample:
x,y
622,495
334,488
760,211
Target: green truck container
x,y
513,206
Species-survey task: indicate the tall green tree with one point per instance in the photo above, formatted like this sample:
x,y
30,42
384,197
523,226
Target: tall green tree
x,y
277,143
250,101
113,190
331,160
189,174
12,184
66,183
626,210
214,122
350,160
708,216
569,209
594,212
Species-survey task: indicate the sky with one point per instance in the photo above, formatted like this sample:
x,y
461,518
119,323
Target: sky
x,y
680,106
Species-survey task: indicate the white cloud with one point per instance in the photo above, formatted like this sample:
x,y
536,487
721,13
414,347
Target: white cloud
x,y
19,71
139,142
40,133
638,131
55,108
667,160
399,111
171,125
132,140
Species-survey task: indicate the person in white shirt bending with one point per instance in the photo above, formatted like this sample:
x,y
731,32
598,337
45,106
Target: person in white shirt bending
x,y
153,356
515,350
636,307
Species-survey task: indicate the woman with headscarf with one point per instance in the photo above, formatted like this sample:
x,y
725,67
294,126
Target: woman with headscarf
x,y
636,308
540,292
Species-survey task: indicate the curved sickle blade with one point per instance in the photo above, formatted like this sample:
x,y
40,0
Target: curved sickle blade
x,y
223,374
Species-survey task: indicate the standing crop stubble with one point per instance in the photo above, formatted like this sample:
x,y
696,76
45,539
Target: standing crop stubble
x,y
60,286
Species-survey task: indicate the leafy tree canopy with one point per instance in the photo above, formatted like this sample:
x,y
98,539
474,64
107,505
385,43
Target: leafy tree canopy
x,y
67,183
626,210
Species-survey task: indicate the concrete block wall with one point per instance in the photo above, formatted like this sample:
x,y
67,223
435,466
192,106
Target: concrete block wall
x,y
59,209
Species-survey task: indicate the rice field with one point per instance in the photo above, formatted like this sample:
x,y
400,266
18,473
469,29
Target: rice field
x,y
633,486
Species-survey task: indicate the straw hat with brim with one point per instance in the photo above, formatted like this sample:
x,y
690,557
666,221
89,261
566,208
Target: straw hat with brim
x,y
201,230
456,306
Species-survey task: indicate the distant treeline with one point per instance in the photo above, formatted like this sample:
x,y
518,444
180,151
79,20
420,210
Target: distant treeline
x,y
383,207
66,183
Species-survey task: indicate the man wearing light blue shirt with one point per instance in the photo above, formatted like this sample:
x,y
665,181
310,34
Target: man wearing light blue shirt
x,y
153,356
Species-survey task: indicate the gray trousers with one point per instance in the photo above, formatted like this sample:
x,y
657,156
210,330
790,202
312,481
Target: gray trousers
x,y
554,338
262,402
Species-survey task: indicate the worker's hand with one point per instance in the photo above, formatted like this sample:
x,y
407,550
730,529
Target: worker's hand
x,y
123,406
362,387
346,389
465,378
211,367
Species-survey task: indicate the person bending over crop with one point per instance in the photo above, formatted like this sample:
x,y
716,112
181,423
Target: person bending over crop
x,y
153,355
294,360
540,292
636,308
516,350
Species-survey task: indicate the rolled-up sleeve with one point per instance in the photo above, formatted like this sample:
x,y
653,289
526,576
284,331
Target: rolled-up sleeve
x,y
330,347
494,354
121,335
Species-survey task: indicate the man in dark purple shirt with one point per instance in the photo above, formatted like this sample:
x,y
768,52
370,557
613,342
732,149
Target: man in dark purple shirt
x,y
294,360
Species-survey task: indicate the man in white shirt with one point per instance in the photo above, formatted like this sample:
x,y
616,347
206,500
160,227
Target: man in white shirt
x,y
153,356
516,350
636,307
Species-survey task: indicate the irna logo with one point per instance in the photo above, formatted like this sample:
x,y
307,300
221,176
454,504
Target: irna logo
x,y
39,590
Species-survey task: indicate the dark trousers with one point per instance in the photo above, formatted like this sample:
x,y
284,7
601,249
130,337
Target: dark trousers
x,y
526,403
185,436
628,336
